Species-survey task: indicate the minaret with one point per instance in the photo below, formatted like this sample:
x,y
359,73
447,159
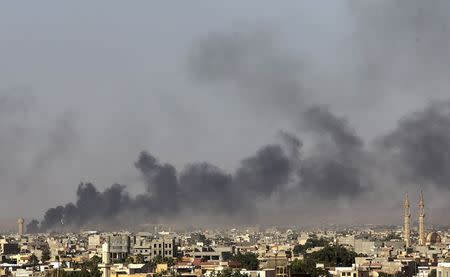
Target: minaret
x,y
421,220
20,228
106,259
407,221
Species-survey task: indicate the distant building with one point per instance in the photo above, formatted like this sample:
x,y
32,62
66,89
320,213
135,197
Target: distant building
x,y
213,253
259,273
366,247
119,247
152,247
443,270
94,242
352,271
9,247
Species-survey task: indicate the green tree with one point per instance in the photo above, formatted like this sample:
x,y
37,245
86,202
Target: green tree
x,y
33,260
333,256
307,266
162,260
139,259
329,256
45,254
311,242
91,266
248,261
432,273
129,260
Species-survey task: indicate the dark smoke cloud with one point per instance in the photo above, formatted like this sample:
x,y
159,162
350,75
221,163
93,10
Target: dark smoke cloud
x,y
335,167
32,227
266,172
204,189
266,76
320,120
271,78
214,184
201,188
90,205
398,46
420,146
161,180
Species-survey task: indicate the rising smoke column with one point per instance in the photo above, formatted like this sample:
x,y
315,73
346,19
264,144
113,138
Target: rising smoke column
x,y
271,79
419,146
265,173
266,77
200,188
335,166
91,205
205,187
336,163
161,183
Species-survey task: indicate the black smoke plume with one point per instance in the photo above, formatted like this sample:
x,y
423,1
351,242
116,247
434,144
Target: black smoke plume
x,y
213,183
200,188
399,47
336,165
204,189
420,146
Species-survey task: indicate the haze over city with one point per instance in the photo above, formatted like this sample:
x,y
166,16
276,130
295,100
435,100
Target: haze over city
x,y
226,113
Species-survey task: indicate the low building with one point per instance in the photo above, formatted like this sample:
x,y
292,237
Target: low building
x,y
443,270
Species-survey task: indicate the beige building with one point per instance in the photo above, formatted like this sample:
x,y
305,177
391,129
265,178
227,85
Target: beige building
x,y
94,242
153,247
278,262
443,270
349,272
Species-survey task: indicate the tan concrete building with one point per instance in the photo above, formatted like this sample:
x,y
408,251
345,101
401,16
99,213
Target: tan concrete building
x,y
443,270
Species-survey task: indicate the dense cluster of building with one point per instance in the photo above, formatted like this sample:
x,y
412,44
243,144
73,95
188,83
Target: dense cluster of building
x,y
379,251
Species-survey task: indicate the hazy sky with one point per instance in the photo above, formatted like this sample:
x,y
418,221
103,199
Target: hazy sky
x,y
85,86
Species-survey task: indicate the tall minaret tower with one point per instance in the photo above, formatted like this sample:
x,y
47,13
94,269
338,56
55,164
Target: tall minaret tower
x,y
421,220
407,221
106,259
20,223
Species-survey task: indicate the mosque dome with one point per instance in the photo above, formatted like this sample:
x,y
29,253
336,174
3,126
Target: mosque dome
x,y
433,238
